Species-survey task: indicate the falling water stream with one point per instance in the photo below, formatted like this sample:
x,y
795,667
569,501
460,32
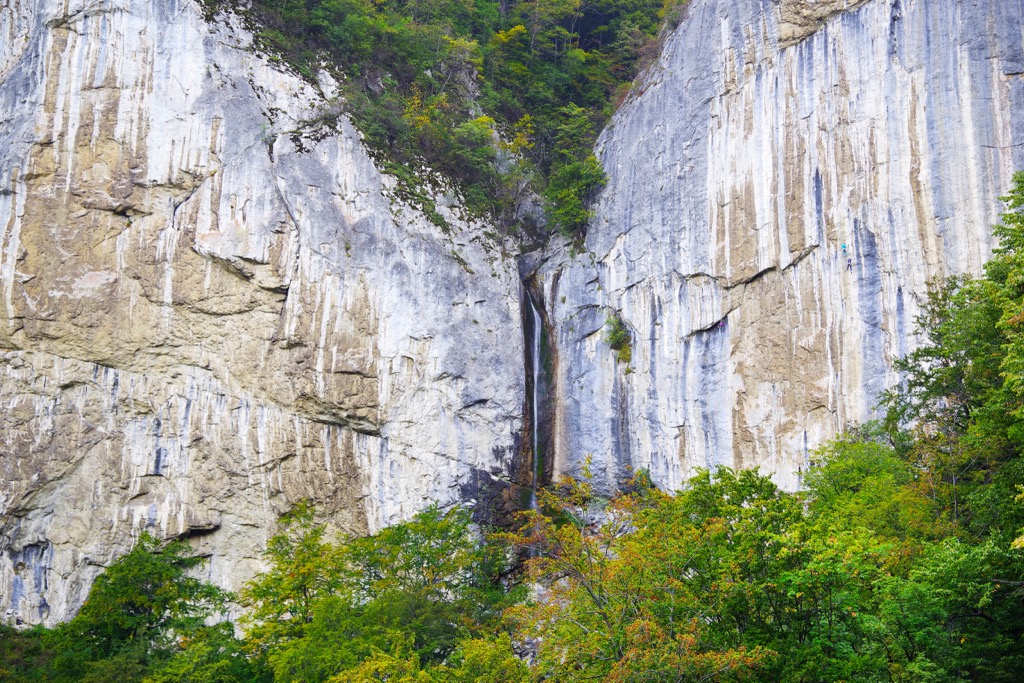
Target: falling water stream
x,y
535,365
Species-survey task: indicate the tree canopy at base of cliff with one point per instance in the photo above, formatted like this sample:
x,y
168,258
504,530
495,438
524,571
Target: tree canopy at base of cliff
x,y
501,99
869,575
902,560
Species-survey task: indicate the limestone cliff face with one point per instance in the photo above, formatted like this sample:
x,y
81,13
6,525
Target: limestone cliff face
x,y
770,134
211,307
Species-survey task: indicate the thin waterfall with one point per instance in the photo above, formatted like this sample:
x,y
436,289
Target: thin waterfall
x,y
535,363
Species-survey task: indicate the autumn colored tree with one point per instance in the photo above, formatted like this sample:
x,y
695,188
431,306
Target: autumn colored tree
x,y
623,597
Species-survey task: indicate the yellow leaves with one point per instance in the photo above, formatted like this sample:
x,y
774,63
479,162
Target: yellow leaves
x,y
414,112
577,55
1015,320
403,666
522,134
511,35
464,51
1018,543
670,6
420,113
482,125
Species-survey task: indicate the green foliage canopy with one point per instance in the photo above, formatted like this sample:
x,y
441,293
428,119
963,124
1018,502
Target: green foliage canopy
x,y
404,597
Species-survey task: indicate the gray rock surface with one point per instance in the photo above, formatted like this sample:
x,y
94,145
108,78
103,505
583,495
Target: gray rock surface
x,y
770,134
212,307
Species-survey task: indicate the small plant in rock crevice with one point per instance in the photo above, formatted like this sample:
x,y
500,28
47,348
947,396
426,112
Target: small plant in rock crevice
x,y
619,338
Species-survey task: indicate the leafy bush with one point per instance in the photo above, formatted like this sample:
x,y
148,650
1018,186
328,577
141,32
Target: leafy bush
x,y
24,657
619,338
140,613
134,612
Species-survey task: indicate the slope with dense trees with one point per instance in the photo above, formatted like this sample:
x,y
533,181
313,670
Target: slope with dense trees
x,y
500,99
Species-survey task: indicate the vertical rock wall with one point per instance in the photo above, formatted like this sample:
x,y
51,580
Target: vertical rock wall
x,y
770,134
211,307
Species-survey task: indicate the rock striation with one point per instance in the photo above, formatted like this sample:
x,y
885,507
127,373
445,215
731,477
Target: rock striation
x,y
212,306
770,134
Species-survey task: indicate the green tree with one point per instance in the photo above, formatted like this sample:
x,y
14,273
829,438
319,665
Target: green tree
x,y
957,615
928,605
955,371
304,568
859,481
211,655
961,392
484,660
401,665
135,613
24,656
1004,276
324,608
575,173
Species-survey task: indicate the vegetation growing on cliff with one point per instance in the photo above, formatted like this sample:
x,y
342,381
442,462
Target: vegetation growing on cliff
x,y
503,99
619,339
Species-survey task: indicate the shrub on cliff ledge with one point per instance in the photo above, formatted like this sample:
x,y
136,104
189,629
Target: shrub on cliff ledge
x,y
619,338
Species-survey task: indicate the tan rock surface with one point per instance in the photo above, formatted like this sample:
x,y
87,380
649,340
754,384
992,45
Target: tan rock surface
x,y
801,18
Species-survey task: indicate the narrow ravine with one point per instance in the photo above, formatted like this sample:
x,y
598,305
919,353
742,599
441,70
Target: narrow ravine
x,y
538,361
534,366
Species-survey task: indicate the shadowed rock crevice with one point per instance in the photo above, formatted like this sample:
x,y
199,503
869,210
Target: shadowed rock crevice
x,y
540,361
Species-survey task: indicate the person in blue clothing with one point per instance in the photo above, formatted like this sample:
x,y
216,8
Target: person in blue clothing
x,y
849,264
